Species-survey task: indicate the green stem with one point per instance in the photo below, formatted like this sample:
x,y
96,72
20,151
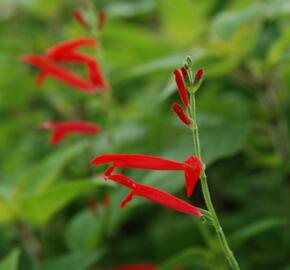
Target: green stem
x,y
205,190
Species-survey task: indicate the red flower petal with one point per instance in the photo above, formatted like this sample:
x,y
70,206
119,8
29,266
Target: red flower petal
x,y
95,73
101,19
63,48
61,74
181,88
61,129
192,173
80,18
184,72
191,167
180,113
155,195
138,161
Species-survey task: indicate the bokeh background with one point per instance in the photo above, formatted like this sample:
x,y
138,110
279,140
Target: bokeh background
x,y
243,114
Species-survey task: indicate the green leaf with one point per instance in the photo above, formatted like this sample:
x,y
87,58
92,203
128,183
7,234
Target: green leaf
x,y
5,213
10,262
38,208
48,170
76,261
184,22
250,231
192,256
85,230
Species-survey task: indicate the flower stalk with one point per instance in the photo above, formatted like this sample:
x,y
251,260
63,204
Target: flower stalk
x,y
203,178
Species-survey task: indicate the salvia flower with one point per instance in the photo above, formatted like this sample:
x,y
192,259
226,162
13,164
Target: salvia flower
x,y
180,113
140,266
80,18
153,194
101,19
65,53
181,87
62,129
48,68
191,167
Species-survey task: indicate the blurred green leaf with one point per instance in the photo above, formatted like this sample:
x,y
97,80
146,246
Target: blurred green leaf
x,y
76,261
42,175
39,207
85,230
10,262
191,256
258,227
185,22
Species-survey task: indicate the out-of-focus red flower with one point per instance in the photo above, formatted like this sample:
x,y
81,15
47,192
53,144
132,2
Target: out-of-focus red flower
x,y
57,51
64,52
101,19
192,166
48,68
180,113
181,87
62,129
154,195
106,201
199,74
92,204
94,71
80,18
141,266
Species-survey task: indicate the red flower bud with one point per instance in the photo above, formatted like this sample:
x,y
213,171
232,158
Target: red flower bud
x,y
181,88
91,203
101,19
180,113
80,18
199,74
184,72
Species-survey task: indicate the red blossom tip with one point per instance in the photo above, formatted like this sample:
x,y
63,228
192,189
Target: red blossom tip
x,y
192,173
181,87
199,74
80,18
180,113
91,203
184,72
101,19
156,195
62,129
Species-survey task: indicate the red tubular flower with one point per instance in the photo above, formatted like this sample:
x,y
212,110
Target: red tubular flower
x,y
64,52
136,267
154,195
80,18
62,129
181,87
180,113
101,19
192,166
50,69
62,48
199,74
95,73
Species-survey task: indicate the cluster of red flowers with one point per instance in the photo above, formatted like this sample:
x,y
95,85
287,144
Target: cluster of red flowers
x,y
181,78
65,53
51,63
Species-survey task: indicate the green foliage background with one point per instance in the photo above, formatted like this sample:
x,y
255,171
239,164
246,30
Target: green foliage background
x,y
243,114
